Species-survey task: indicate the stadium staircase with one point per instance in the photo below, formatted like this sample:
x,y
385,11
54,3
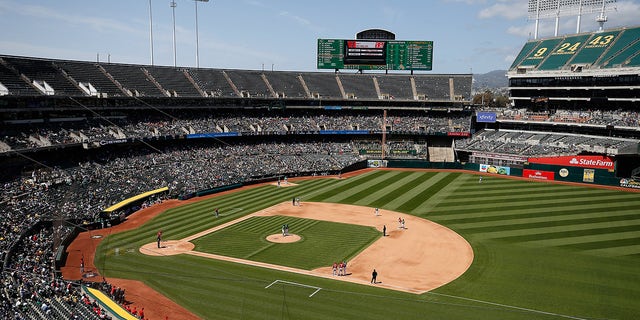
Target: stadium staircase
x,y
304,86
414,89
233,86
269,87
116,82
341,87
194,83
157,84
13,81
376,86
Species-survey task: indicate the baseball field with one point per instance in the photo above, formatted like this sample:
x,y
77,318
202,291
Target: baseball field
x,y
537,250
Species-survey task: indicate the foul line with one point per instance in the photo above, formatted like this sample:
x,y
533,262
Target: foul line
x,y
508,306
295,284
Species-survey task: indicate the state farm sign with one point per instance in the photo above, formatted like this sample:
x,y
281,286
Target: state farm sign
x,y
594,162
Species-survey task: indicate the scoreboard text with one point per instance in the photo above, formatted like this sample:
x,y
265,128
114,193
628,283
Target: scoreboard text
x,y
375,54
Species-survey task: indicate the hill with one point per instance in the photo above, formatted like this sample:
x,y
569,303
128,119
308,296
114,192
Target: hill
x,y
495,79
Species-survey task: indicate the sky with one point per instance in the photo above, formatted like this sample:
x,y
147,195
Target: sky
x,y
470,36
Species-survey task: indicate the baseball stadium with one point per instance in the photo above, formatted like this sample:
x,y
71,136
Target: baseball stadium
x,y
152,192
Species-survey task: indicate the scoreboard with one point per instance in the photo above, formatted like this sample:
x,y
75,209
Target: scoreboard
x,y
375,54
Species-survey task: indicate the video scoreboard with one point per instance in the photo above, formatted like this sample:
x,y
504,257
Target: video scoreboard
x,y
375,54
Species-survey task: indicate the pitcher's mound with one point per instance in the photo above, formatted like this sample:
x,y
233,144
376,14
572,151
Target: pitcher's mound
x,y
167,248
279,238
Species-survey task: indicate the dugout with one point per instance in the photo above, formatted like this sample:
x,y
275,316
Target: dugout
x,y
118,212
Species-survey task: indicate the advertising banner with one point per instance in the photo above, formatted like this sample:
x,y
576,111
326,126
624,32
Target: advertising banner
x,y
458,134
630,183
538,174
489,117
344,132
593,162
213,135
588,175
495,169
498,156
376,163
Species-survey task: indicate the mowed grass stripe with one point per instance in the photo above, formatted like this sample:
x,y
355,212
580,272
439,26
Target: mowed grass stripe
x,y
529,195
478,213
586,242
331,184
427,205
387,200
412,191
543,222
237,200
618,249
183,221
528,202
272,195
495,187
535,216
371,188
479,216
559,232
347,184
178,225
423,196
362,185
515,188
376,197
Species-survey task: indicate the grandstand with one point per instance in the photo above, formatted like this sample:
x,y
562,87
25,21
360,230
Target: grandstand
x,y
24,76
596,69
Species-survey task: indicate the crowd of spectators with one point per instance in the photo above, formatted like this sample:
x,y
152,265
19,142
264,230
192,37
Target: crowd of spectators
x,y
618,118
537,144
78,194
39,135
30,288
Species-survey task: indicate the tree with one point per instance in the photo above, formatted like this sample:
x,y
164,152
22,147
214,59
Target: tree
x,y
487,99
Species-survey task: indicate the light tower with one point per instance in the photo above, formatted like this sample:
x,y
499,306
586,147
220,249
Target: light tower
x,y
173,7
602,18
197,38
540,9
151,31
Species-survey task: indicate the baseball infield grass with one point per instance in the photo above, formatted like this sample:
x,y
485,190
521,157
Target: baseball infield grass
x,y
322,242
542,251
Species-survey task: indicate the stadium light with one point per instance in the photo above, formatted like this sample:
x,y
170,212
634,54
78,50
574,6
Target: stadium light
x,y
539,9
197,38
151,32
173,7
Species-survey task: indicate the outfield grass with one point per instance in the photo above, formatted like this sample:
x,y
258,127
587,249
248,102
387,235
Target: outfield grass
x,y
541,251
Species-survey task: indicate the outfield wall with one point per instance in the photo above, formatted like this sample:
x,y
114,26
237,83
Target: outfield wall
x,y
575,174
534,171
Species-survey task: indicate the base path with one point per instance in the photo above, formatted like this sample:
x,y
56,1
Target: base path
x,y
418,258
